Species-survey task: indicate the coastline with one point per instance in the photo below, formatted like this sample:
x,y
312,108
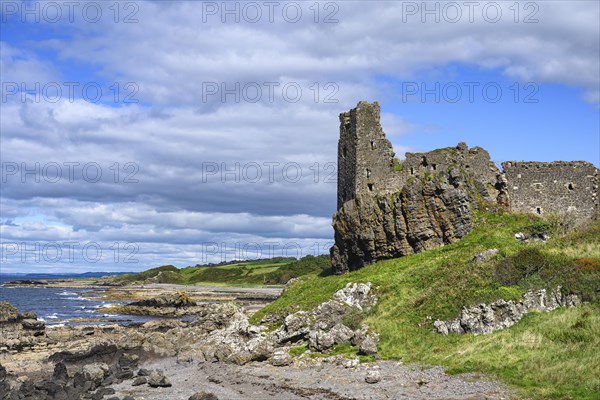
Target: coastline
x,y
93,283
218,353
115,298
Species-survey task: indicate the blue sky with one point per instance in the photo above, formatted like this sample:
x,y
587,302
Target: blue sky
x,y
536,121
166,168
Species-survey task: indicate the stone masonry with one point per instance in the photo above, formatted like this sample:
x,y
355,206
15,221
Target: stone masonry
x,y
389,208
365,156
553,188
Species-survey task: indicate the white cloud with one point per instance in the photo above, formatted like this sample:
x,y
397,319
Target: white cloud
x,y
184,51
174,132
22,66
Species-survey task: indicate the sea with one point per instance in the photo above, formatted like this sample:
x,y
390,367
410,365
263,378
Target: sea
x,y
59,307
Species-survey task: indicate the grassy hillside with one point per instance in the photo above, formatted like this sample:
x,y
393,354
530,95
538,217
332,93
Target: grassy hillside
x,y
546,355
274,271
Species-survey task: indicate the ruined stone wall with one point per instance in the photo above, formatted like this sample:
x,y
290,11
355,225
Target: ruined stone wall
x,y
365,156
367,164
553,188
346,160
474,162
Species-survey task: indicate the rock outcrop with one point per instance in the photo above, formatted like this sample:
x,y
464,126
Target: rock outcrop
x,y
177,300
8,313
222,332
423,216
487,318
333,322
86,361
90,381
388,208
18,330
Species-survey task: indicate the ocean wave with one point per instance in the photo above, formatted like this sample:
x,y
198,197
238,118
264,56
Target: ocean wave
x,y
65,293
78,298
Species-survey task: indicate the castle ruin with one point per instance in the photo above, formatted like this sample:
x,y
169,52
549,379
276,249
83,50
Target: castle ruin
x,y
389,208
552,188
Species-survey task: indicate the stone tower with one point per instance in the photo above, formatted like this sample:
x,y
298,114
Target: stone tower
x,y
365,156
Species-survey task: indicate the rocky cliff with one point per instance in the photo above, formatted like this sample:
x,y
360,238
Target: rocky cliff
x,y
426,201
428,212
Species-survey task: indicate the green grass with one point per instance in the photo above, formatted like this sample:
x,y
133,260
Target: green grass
x,y
146,274
398,164
298,350
546,355
451,149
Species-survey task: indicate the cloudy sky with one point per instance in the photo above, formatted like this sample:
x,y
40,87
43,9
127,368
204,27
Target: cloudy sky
x,y
142,133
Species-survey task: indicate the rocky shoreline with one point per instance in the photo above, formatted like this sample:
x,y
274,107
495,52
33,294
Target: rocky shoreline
x,y
251,298
219,355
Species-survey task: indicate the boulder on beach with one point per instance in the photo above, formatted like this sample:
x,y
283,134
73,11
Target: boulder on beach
x,y
177,300
8,312
33,324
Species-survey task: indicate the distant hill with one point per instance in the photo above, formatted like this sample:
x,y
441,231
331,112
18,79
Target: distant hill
x,y
32,276
270,271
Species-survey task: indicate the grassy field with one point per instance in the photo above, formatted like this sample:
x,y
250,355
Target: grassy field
x,y
547,355
274,271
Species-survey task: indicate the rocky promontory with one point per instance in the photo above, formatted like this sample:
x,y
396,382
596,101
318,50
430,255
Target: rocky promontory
x,y
389,208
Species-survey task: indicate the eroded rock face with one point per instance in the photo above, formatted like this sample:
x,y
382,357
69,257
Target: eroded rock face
x,y
331,322
488,318
173,300
422,216
33,325
8,312
18,331
321,328
357,295
89,381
